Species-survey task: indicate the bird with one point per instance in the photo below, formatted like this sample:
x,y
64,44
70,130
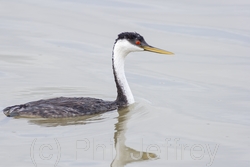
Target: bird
x,y
62,107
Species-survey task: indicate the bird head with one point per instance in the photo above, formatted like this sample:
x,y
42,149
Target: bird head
x,y
132,42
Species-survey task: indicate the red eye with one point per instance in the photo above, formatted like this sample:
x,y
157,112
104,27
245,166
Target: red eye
x,y
137,42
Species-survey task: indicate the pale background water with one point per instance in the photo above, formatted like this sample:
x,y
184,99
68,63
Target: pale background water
x,y
192,109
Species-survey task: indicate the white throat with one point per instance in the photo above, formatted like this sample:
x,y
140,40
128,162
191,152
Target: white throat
x,y
121,49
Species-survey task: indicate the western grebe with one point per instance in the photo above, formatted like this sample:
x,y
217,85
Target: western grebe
x,y
70,107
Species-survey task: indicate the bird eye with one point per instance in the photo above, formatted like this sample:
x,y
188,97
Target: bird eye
x,y
137,42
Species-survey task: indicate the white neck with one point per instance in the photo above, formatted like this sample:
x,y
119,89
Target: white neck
x,y
121,49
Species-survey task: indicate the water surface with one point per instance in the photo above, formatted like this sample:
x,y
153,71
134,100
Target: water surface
x,y
191,109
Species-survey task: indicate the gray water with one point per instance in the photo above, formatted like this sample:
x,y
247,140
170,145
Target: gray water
x,y
192,109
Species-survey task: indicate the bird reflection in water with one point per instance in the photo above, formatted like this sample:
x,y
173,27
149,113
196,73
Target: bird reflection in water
x,y
124,154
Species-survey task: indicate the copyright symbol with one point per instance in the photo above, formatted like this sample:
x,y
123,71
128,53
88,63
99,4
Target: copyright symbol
x,y
41,152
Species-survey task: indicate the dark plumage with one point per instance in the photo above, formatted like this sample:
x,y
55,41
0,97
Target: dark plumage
x,y
61,107
132,37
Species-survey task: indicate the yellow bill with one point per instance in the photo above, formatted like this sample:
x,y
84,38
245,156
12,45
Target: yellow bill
x,y
156,50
